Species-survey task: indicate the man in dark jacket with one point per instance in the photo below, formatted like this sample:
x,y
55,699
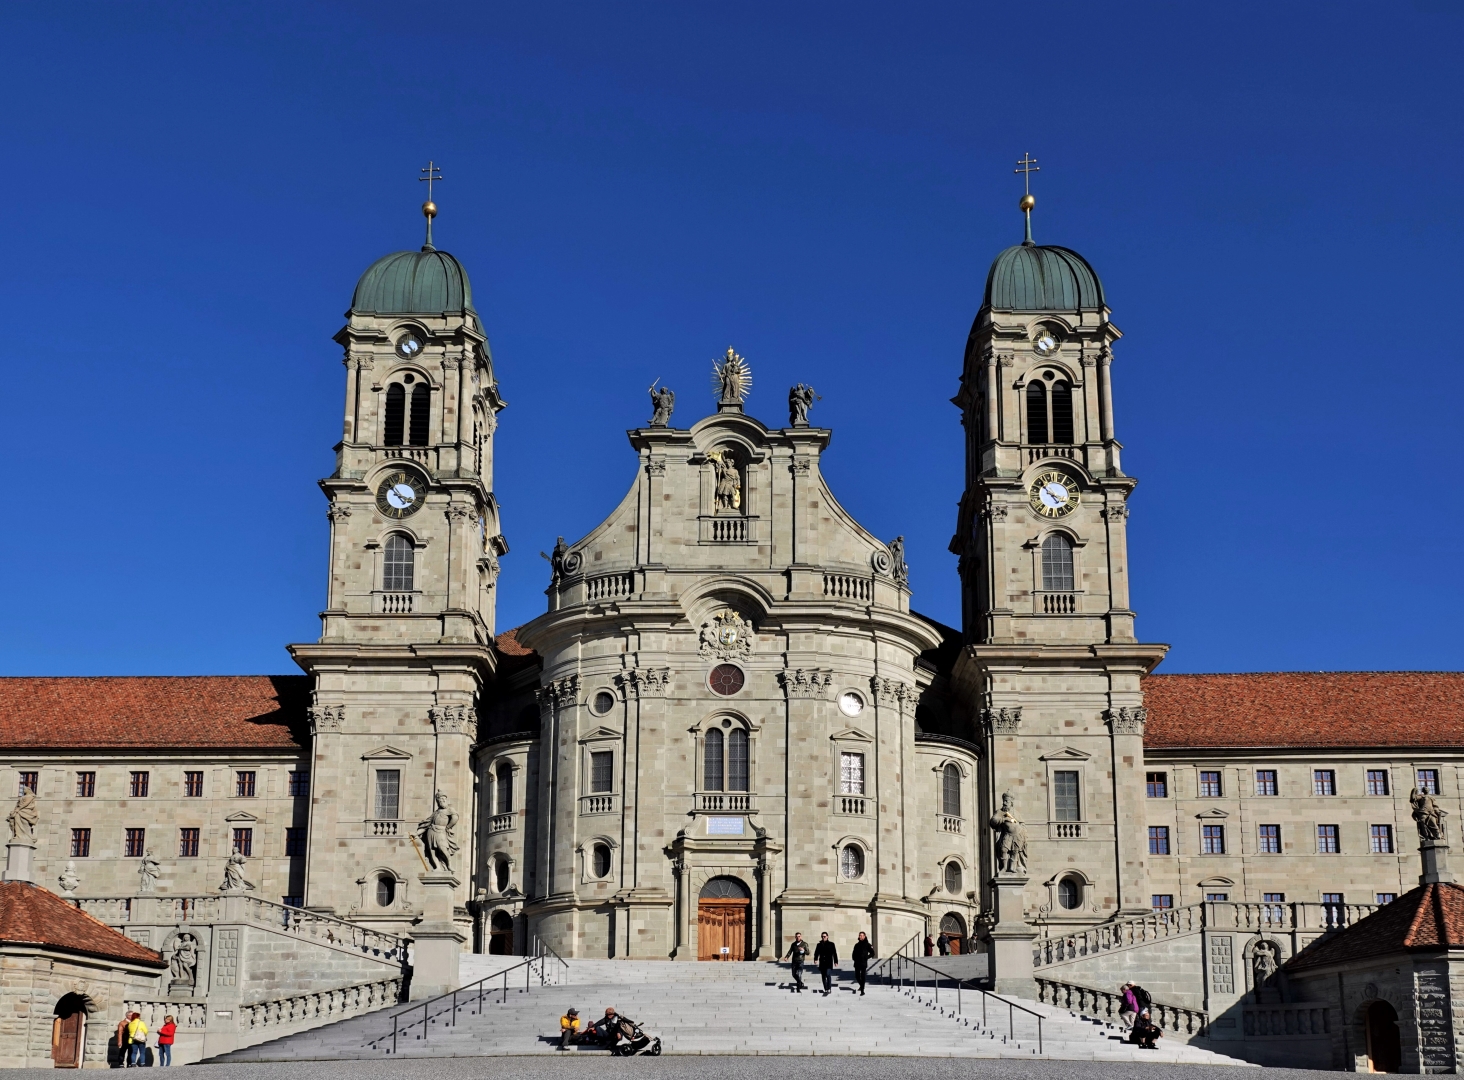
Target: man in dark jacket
x,y
827,958
797,954
863,953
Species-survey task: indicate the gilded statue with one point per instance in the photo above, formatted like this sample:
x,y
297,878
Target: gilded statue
x,y
728,495
731,379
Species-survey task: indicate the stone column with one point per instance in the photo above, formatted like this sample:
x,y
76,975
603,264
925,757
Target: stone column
x,y
1130,841
1435,863
352,374
1105,390
465,410
1011,938
437,942
20,860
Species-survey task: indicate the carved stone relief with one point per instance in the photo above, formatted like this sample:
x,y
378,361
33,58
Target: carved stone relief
x,y
726,636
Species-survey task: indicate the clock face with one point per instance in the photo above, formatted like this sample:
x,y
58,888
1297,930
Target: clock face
x,y
1046,343
409,346
1054,495
400,495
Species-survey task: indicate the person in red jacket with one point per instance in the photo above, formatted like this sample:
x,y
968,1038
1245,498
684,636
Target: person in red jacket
x,y
165,1040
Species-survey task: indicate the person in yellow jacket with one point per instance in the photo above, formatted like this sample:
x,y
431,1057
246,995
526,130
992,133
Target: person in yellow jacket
x,y
136,1041
569,1029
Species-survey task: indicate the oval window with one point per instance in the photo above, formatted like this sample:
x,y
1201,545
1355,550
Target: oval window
x,y
953,877
726,679
385,890
851,862
1070,893
602,860
604,702
500,874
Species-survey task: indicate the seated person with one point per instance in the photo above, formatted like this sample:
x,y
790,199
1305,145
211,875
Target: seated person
x,y
569,1030
606,1030
1146,1032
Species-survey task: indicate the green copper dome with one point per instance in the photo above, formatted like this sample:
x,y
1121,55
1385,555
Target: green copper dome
x,y
426,282
1032,278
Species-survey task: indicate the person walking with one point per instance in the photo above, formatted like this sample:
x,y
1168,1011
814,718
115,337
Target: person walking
x,y
863,953
943,943
136,1041
166,1034
117,1046
1128,1005
929,945
569,1029
797,954
827,958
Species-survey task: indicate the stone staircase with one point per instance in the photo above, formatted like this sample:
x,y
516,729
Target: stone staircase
x,y
721,1009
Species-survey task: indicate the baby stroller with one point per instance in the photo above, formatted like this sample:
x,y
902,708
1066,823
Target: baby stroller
x,y
633,1040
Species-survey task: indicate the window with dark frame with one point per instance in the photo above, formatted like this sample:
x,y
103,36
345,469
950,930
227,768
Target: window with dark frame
x,y
504,789
602,771
394,423
295,840
1333,913
137,785
80,843
1212,839
134,844
1158,839
1065,800
292,901
1269,839
950,790
1161,901
193,785
299,782
1324,781
1156,785
1266,782
388,793
1217,897
86,785
1377,781
1327,843
1210,787
1385,897
1428,781
30,782
244,842
188,843
418,434
1380,839
244,784
1274,909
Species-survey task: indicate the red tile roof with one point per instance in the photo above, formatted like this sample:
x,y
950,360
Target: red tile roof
x,y
264,712
1429,917
513,656
1299,709
30,915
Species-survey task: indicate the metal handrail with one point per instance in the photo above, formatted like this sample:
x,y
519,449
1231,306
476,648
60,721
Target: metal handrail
x,y
544,947
937,974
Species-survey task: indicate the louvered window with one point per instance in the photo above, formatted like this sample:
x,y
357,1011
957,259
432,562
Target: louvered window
x,y
1036,412
1057,563
396,415
1062,413
421,413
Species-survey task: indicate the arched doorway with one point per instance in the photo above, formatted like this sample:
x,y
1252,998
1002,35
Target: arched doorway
x,y
1384,1049
954,928
68,1032
723,920
500,934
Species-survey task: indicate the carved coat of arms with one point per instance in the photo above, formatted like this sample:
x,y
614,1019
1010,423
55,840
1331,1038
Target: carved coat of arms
x,y
727,636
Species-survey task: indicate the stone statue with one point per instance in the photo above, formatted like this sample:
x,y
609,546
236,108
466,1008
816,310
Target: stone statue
x,y
731,379
729,480
234,880
1011,837
147,873
662,402
69,881
1427,815
22,820
800,400
436,833
1263,963
183,963
899,568
556,561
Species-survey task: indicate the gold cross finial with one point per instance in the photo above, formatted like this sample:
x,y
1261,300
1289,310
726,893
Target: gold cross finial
x,y
429,208
1027,166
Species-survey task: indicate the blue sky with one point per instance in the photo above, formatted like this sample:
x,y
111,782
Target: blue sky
x,y
1269,191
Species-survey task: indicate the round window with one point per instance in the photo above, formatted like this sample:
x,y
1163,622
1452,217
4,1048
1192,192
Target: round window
x,y
1070,893
408,346
850,703
953,877
385,890
851,862
604,702
602,860
726,679
500,874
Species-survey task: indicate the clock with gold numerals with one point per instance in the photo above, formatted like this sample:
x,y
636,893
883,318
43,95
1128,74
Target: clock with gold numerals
x,y
400,495
1054,494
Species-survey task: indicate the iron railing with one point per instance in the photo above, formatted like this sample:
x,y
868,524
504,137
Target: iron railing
x,y
896,975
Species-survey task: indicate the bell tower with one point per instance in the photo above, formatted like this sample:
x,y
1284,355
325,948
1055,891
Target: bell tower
x,y
1051,666
406,645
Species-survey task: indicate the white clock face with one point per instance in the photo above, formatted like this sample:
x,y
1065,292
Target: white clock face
x,y
408,347
1054,494
400,494
1046,344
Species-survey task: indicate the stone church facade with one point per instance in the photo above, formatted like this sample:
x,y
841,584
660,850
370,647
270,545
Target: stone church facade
x,y
729,724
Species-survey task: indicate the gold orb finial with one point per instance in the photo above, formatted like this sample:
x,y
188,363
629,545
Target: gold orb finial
x,y
429,209
1028,201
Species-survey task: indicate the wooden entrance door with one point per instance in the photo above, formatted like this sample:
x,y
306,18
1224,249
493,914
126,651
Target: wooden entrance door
x,y
722,929
66,1041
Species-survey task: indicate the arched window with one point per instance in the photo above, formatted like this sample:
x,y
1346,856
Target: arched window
x,y
737,760
397,568
421,413
1070,893
602,860
1036,412
1057,564
712,759
385,890
396,415
1062,413
950,791
953,876
500,873
851,862
505,789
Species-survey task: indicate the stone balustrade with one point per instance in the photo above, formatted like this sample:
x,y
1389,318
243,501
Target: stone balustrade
x,y
1104,1005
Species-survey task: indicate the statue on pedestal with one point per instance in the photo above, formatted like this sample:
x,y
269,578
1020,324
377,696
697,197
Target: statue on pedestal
x,y
1011,837
436,833
800,400
183,963
1427,815
147,873
234,880
68,880
662,402
22,820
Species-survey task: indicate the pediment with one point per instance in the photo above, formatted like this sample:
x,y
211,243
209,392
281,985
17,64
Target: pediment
x,y
600,733
241,815
1216,883
1067,753
1213,812
386,752
850,735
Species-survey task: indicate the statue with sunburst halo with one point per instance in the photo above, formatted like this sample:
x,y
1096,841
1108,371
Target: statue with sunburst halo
x,y
731,379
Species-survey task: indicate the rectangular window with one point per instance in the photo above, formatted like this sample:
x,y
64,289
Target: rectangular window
x,y
1266,782
1324,782
244,784
1217,897
293,901
1212,839
1158,839
602,771
295,841
1428,781
299,782
1327,840
1065,796
80,843
388,793
187,843
1269,837
244,842
1210,784
1377,781
1274,910
29,782
1161,901
851,774
137,785
135,844
1380,839
1156,785
1332,912
1386,897
86,785
505,789
193,785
